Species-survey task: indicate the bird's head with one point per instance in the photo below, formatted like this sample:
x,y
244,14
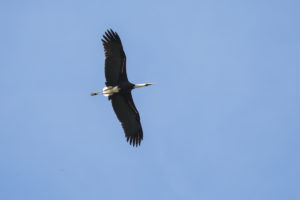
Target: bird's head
x,y
142,85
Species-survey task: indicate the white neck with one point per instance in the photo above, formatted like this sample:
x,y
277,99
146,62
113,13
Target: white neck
x,y
142,85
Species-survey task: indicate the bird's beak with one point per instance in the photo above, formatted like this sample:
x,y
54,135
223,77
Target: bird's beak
x,y
147,84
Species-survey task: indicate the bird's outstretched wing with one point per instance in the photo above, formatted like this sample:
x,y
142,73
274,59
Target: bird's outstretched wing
x,y
128,116
115,61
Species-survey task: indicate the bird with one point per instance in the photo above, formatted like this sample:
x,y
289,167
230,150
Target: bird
x,y
118,88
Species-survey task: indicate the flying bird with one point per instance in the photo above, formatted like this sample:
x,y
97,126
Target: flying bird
x,y
118,88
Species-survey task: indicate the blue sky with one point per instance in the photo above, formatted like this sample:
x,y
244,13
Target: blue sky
x,y
222,122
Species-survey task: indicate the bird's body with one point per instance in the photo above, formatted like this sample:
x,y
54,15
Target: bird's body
x,y
118,88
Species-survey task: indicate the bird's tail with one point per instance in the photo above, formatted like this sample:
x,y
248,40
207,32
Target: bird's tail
x,y
107,91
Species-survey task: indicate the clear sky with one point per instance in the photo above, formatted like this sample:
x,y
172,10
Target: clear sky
x,y
222,122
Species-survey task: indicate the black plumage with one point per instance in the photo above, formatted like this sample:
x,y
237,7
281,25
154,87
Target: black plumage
x,y
115,59
122,102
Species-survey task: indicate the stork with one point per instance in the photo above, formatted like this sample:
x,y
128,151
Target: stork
x,y
118,88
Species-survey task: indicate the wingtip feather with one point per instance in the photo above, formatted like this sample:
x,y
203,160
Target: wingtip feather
x,y
135,141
